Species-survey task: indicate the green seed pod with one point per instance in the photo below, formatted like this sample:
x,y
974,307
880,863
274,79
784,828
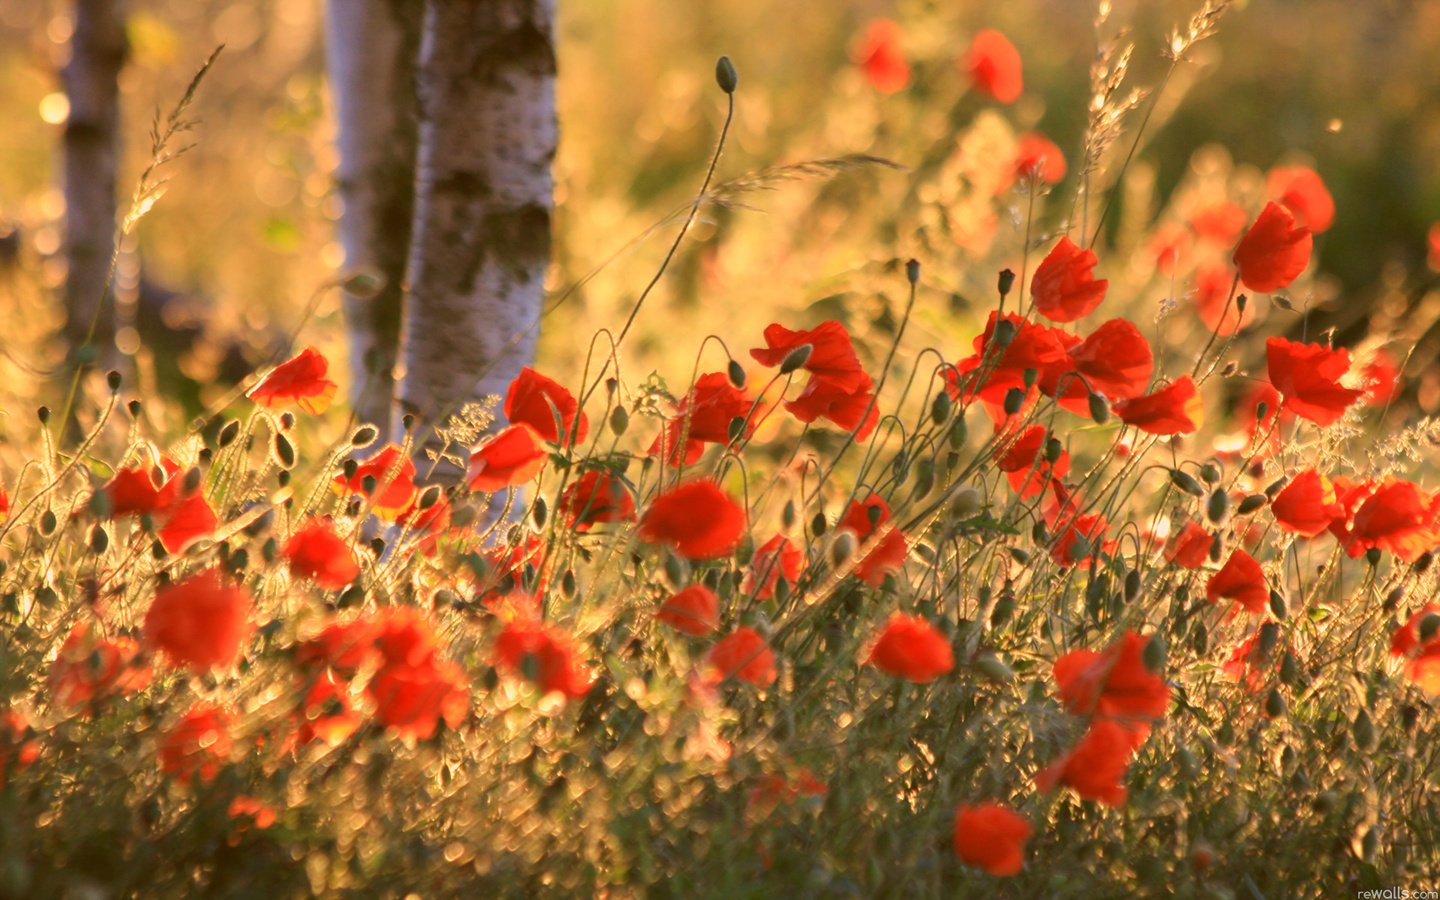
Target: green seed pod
x,y
1372,556
736,429
912,271
619,421
745,551
1053,449
113,379
1029,377
1210,474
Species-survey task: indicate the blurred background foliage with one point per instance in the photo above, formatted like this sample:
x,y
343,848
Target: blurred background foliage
x,y
245,235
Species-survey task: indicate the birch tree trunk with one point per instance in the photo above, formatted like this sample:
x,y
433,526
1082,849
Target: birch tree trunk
x,y
92,144
371,55
481,239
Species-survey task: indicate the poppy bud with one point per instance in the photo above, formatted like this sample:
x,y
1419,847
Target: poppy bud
x,y
1251,503
48,522
1154,655
677,573
1392,599
1277,604
113,379
1014,399
1005,282
1422,565
134,407
1429,624
1363,731
736,373
1005,331
287,420
1132,585
796,358
1289,669
284,452
788,514
912,271
843,548
1004,608
818,524
1276,486
1038,534
99,539
1099,409
1372,556
1200,639
964,502
1186,482
725,75
1217,509
1030,376
1409,715
1240,302
1020,555
1275,706
1269,637
940,407
924,478
991,667
539,512
959,432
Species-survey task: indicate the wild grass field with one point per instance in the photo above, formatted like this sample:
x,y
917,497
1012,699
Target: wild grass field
x,y
987,498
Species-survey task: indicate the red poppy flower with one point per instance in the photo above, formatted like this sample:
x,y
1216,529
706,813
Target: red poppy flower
x,y
1219,223
341,646
1307,505
697,518
1432,244
1096,766
544,655
1019,463
250,811
1170,245
198,745
1190,548
317,553
300,381
694,610
394,475
1078,537
1037,157
1214,298
1033,346
1247,664
880,56
1173,409
1273,252
777,558
1300,190
994,66
512,456
413,700
888,553
534,400
1397,517
1241,579
991,837
832,354
325,713
1115,359
1308,376
704,417
135,491
404,636
90,668
1114,684
911,648
853,410
189,521
4,505
772,790
1422,651
1381,378
1064,286
742,654
199,622
596,496
18,748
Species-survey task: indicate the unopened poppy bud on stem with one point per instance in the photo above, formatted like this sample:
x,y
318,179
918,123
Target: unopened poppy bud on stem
x,y
726,76
796,359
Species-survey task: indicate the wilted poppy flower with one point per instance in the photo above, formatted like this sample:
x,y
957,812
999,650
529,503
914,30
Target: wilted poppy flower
x,y
18,748
1419,641
1037,157
1397,517
865,518
911,648
1301,190
777,558
90,668
1027,470
1174,409
1064,286
1241,579
880,56
704,417
694,610
1096,766
199,622
512,456
544,655
1114,684
991,837
413,700
1308,377
534,400
317,553
744,655
596,496
697,518
1306,505
993,64
1273,252
1190,547
394,479
1381,377
832,354
198,745
853,410
300,381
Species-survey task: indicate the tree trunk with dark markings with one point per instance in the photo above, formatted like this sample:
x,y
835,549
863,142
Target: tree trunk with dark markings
x,y
481,240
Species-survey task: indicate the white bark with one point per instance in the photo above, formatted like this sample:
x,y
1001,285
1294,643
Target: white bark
x,y
481,239
91,142
371,56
